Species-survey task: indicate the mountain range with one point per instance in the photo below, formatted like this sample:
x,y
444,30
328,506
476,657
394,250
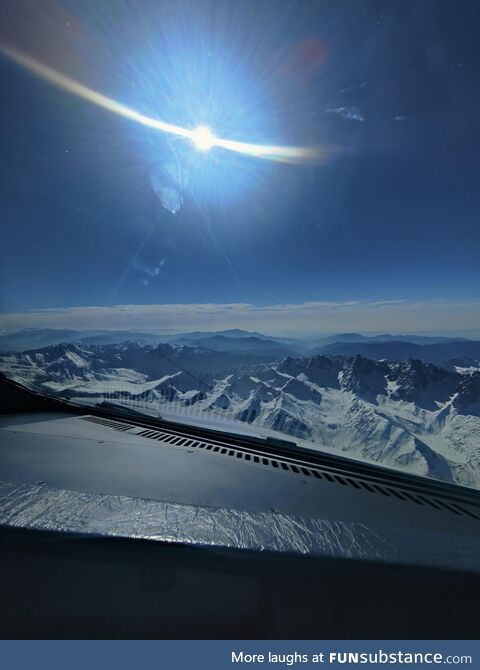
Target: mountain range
x,y
444,351
407,414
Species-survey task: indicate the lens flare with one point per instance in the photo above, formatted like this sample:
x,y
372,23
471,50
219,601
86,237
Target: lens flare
x,y
201,137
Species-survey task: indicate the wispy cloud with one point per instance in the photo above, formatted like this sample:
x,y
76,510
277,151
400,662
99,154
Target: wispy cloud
x,y
307,318
348,113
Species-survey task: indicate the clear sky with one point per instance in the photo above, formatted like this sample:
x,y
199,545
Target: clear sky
x,y
98,211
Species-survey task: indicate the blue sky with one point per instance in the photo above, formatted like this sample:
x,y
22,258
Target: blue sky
x,y
389,89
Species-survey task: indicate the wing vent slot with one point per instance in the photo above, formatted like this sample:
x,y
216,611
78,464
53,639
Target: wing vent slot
x,y
116,425
296,468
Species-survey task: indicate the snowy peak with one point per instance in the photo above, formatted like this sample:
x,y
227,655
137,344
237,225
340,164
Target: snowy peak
x,y
422,383
467,399
364,377
320,370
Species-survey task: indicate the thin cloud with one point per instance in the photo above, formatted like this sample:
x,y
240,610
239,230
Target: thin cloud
x,y
307,318
347,113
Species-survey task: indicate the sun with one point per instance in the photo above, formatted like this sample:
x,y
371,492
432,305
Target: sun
x,y
203,138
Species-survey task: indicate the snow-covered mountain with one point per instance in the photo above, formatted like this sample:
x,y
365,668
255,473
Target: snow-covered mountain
x,y
409,415
438,350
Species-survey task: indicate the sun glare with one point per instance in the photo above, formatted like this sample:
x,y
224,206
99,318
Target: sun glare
x,y
203,138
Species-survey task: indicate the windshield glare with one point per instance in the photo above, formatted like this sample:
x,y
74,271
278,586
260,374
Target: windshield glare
x,y
258,216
